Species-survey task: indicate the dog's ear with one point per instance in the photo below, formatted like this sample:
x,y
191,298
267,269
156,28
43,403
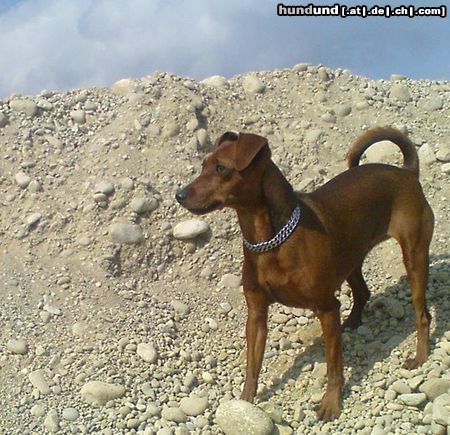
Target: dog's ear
x,y
247,147
228,135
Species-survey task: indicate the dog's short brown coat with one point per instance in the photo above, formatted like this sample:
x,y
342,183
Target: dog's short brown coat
x,y
340,223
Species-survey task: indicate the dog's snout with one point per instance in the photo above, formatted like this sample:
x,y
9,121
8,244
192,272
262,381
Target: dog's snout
x,y
181,195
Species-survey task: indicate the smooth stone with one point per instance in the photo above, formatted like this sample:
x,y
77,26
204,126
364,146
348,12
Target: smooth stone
x,y
22,180
78,116
171,129
147,352
313,136
37,410
322,74
143,205
105,187
180,307
433,103
253,85
435,387
51,422
216,82
194,405
174,414
443,152
33,219
426,154
362,105
412,399
98,392
401,387
230,280
400,92
237,417
381,151
342,110
300,67
190,229
39,382
26,106
441,414
17,346
397,77
123,86
70,414
129,234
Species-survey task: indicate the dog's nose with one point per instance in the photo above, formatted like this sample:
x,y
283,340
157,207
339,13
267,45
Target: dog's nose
x,y
181,195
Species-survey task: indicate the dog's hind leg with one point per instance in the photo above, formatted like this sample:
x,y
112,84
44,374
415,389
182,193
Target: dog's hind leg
x,y
415,248
360,294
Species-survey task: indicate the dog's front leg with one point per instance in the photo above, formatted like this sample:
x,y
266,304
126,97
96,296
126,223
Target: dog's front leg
x,y
256,334
331,402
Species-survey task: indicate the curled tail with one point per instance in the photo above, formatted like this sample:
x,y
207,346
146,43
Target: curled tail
x,y
377,134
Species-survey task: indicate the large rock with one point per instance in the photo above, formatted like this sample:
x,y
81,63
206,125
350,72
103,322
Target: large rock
x,y
435,387
253,85
194,405
384,151
190,229
426,154
400,92
216,82
99,393
123,86
129,234
25,105
238,417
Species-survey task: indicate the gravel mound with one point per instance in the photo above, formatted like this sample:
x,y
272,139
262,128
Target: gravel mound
x,y
120,314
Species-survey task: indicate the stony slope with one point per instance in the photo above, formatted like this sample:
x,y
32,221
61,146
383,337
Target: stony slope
x,y
95,287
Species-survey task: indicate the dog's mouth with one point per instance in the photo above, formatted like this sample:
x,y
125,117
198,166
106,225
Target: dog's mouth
x,y
203,210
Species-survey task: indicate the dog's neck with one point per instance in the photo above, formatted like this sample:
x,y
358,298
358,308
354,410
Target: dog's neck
x,y
272,210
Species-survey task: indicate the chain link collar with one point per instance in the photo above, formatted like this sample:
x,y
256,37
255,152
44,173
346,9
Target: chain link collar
x,y
279,238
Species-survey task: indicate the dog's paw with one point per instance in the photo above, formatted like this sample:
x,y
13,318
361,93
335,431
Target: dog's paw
x,y
329,407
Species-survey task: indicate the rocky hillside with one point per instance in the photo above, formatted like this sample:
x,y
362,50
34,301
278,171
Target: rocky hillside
x,y
119,317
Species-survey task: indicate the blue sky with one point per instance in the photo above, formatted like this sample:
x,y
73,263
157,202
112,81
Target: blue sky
x,y
64,44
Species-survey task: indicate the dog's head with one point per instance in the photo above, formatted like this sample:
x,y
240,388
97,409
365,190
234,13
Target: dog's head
x,y
231,174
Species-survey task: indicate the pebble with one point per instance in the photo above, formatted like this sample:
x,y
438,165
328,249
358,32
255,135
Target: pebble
x,y
435,387
426,154
194,405
33,219
253,85
78,116
143,205
434,103
401,387
322,74
300,67
383,151
70,414
174,414
190,229
400,92
171,129
22,180
39,382
412,399
98,392
216,82
180,307
147,352
237,417
37,410
129,234
19,347
105,187
230,280
51,422
25,105
342,110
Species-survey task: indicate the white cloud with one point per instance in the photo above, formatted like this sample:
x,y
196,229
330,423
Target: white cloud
x,y
62,44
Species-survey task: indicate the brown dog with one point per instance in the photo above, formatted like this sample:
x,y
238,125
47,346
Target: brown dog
x,y
302,261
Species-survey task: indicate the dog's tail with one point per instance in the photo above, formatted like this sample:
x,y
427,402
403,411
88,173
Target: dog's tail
x,y
377,134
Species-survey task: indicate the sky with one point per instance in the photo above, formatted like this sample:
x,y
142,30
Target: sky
x,y
67,44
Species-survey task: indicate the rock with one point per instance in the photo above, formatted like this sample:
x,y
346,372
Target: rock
x,y
123,87
362,105
342,110
174,414
147,352
383,151
319,371
194,405
400,92
412,399
17,346
426,154
401,387
253,85
78,116
190,229
98,392
51,422
3,120
216,82
433,103
230,281
26,106
395,308
22,180
397,77
445,168
322,74
435,387
39,382
443,152
143,205
328,117
280,318
37,410
180,307
300,67
273,411
441,415
202,139
129,234
33,219
70,414
282,430
105,187
237,417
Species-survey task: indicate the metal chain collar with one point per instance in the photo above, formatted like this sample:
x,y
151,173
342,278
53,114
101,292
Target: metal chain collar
x,y
279,238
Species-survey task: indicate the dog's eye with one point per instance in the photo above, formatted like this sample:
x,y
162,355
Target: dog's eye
x,y
220,168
